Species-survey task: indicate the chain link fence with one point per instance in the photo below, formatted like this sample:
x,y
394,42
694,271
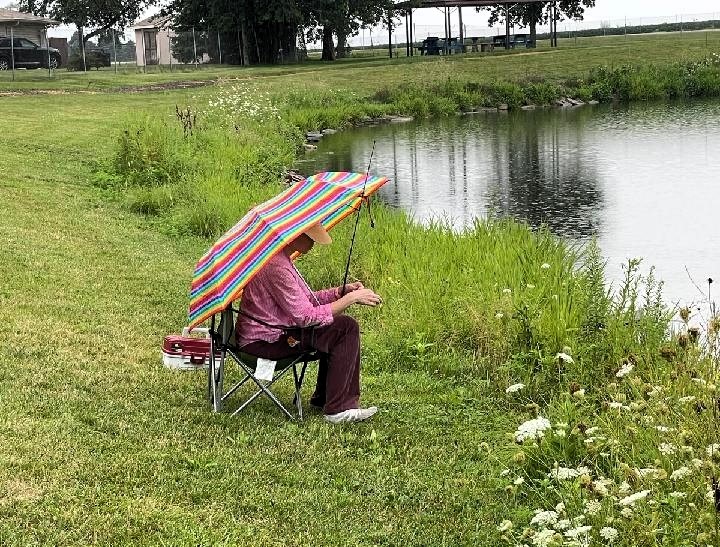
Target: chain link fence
x,y
148,49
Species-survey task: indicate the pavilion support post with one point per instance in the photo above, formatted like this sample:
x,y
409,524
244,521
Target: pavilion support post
x,y
407,36
412,36
462,31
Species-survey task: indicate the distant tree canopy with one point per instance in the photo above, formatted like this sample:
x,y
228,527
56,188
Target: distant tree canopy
x,y
531,15
265,31
98,15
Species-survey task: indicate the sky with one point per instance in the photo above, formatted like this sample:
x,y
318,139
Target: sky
x,y
614,11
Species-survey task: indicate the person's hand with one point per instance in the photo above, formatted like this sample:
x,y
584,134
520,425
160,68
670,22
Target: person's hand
x,y
350,287
365,297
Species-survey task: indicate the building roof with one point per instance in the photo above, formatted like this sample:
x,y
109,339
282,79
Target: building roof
x,y
12,16
156,21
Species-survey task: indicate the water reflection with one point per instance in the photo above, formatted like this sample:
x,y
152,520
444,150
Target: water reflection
x,y
642,178
528,165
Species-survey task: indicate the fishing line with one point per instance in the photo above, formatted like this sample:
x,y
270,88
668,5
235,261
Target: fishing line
x,y
343,290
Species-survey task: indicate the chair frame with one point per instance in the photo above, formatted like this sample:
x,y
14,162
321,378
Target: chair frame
x,y
223,350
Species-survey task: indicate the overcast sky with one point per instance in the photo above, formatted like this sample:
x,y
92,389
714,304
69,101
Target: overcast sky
x,y
613,10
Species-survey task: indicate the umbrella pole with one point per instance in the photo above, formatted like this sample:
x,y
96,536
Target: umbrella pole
x,y
343,288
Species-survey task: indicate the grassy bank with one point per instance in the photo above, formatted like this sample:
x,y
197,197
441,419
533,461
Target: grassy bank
x,y
106,214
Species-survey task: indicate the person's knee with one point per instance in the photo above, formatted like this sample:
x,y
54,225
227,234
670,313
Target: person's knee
x,y
348,324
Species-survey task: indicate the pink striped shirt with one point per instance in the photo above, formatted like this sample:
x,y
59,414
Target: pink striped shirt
x,y
279,296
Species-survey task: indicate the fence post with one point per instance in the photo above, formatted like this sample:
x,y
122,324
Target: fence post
x,y
12,51
114,49
194,48
47,45
170,51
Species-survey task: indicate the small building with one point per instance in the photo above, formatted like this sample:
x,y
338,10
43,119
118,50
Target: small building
x,y
152,41
25,25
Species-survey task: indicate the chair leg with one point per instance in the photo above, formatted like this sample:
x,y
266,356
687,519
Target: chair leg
x,y
298,385
216,372
263,389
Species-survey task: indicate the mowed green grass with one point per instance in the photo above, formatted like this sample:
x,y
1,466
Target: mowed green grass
x,y
100,444
571,60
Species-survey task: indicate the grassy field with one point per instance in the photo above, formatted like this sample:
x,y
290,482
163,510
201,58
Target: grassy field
x,y
101,445
367,74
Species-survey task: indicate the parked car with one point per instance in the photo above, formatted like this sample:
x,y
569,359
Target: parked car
x,y
27,54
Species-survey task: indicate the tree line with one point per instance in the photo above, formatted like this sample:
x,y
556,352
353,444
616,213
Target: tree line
x,y
268,31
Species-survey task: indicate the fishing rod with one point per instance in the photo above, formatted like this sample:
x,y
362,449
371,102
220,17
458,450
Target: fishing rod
x,y
357,221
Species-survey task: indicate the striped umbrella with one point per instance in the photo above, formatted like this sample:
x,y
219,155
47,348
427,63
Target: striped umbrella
x,y
222,273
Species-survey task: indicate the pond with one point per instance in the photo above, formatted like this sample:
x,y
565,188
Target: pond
x,y
644,179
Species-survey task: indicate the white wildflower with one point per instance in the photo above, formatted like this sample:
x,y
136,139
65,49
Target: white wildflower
x,y
504,472
664,429
678,495
655,391
631,499
609,534
514,388
565,358
667,449
499,315
615,405
577,532
563,524
507,291
699,381
530,286
543,538
625,369
505,526
712,449
561,425
560,433
646,472
545,266
592,507
518,481
626,512
600,486
560,508
680,473
592,430
532,429
624,487
688,399
544,518
566,473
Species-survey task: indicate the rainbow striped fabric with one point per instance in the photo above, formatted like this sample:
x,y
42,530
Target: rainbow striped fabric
x,y
222,273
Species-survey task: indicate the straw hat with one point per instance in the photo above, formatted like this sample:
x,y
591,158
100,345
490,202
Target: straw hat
x,y
318,234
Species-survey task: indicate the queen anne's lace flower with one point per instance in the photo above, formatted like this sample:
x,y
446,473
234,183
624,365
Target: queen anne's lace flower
x,y
543,538
578,532
514,388
680,473
565,358
505,526
544,518
532,429
609,534
592,507
625,369
632,498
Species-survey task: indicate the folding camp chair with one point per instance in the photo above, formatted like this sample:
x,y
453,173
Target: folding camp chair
x,y
223,349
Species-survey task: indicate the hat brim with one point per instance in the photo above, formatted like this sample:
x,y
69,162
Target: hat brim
x,y
318,234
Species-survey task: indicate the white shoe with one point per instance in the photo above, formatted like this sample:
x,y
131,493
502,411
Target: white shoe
x,y
352,415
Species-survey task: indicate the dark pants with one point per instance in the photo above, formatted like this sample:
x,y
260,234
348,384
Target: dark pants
x,y
338,382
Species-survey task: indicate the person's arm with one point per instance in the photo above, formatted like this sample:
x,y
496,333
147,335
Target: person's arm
x,y
364,297
292,299
328,296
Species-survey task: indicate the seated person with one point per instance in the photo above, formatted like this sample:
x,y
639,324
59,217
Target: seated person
x,y
280,317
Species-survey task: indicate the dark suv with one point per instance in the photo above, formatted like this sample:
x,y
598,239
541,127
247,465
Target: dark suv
x,y
27,54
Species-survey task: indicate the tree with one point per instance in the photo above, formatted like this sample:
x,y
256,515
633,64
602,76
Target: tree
x,y
530,15
343,18
98,15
